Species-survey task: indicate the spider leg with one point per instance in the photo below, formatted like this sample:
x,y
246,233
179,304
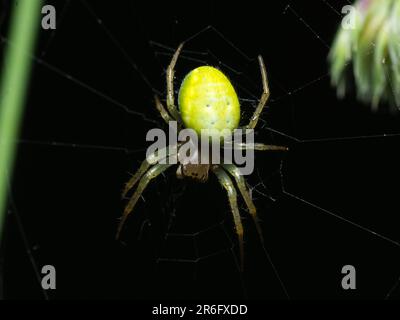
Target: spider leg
x,y
241,184
170,86
258,146
161,109
146,164
152,173
227,183
264,97
135,178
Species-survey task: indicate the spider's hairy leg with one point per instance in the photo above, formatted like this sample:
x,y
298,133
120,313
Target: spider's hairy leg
x,y
258,146
152,173
264,97
147,163
170,86
227,183
161,109
135,178
241,184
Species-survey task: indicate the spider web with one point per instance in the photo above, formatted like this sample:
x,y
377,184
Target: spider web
x,y
198,246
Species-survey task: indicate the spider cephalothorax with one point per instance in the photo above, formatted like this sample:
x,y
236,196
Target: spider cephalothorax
x,y
207,102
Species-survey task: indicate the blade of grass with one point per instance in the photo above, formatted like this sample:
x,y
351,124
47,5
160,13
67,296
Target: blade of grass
x,y
15,71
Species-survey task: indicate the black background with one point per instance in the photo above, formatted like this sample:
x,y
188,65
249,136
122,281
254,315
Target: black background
x,y
337,180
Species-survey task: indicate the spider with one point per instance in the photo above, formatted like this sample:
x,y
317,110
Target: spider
x,y
206,100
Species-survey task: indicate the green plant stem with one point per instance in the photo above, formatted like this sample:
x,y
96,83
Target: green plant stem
x,y
25,23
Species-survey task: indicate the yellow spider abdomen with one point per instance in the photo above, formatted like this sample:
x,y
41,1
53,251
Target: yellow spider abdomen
x,y
207,100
